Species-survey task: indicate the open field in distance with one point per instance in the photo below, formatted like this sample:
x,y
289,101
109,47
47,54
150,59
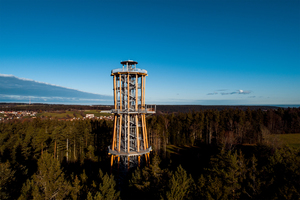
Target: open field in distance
x,y
290,139
71,114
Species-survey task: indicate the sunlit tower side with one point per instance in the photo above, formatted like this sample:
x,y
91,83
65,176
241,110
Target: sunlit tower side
x,y
130,145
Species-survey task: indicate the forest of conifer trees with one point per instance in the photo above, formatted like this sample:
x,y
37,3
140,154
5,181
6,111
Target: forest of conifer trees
x,y
208,154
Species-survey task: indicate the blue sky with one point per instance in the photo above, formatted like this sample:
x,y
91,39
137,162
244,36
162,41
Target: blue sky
x,y
196,52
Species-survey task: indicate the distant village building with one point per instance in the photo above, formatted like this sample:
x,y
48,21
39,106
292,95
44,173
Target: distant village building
x,y
105,111
89,116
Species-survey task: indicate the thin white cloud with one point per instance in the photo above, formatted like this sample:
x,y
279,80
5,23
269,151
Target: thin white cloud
x,y
224,93
244,92
230,93
7,75
212,93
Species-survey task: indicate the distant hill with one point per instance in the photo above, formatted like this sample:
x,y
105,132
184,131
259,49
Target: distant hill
x,y
14,89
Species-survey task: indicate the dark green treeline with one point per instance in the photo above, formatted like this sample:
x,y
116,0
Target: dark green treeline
x,y
51,159
233,126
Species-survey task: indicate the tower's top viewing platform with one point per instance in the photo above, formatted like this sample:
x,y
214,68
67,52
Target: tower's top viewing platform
x,y
129,62
129,66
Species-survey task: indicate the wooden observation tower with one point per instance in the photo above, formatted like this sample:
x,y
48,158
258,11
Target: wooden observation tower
x,y
130,146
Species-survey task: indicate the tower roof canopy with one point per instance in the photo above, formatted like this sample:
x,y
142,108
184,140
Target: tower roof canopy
x,y
130,62
129,66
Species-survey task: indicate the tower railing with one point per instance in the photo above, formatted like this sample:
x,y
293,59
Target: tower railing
x,y
129,70
149,109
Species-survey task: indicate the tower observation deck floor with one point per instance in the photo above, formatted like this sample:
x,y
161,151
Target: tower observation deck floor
x,y
118,111
130,153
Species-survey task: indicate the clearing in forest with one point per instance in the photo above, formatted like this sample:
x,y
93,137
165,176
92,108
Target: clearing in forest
x,y
290,139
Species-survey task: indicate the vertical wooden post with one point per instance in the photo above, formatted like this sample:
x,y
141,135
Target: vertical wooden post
x,y
139,161
146,158
118,162
120,129
115,92
128,133
144,91
120,92
112,160
142,86
136,117
128,100
115,121
137,133
128,116
114,134
143,129
128,162
136,92
146,135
